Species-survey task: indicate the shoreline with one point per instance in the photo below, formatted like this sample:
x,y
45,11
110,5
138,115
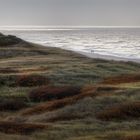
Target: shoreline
x,y
95,55
107,57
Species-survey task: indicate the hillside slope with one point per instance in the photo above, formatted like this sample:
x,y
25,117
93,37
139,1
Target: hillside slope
x,y
57,94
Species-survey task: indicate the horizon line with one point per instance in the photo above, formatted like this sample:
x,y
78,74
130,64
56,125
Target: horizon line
x,y
49,28
80,26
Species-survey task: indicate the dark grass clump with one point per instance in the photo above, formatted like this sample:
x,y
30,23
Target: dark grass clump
x,y
122,79
12,104
50,106
31,80
46,93
118,136
129,110
1,35
64,118
106,89
8,70
133,137
56,104
19,128
9,40
8,80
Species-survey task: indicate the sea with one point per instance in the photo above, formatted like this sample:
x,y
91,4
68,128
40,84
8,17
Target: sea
x,y
119,42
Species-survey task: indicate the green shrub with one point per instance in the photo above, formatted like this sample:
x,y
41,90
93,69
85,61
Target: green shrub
x,y
9,40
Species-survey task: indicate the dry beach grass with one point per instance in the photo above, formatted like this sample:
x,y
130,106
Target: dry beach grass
x,y
54,94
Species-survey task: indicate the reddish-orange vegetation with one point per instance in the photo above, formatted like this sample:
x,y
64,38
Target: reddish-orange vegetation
x,y
56,104
49,106
60,99
31,80
46,93
122,79
12,105
101,90
19,128
133,137
129,110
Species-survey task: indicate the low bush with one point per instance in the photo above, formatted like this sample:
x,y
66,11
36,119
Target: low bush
x,y
19,128
133,137
9,40
7,70
55,104
122,79
31,80
46,93
128,110
1,35
8,80
12,105
64,118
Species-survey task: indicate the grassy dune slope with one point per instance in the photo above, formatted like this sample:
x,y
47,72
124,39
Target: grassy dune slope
x,y
56,94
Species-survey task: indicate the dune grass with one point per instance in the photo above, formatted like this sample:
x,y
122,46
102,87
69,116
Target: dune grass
x,y
80,98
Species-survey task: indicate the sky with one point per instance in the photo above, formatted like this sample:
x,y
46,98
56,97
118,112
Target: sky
x,y
70,12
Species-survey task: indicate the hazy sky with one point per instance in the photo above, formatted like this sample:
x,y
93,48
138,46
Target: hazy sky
x,y
70,12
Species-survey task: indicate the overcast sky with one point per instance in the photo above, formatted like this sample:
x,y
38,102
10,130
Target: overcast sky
x,y
70,12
